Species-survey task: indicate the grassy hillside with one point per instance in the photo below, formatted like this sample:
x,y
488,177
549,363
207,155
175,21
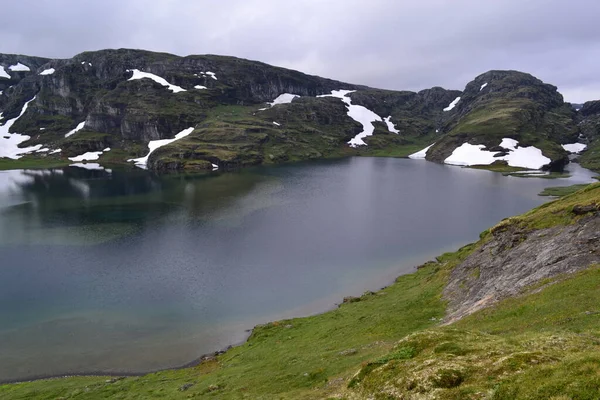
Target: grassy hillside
x,y
542,344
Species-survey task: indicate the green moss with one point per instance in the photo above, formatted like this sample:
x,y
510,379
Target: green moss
x,y
561,191
29,162
536,346
590,159
502,167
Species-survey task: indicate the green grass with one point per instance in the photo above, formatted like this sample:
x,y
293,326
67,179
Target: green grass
x,y
590,159
536,346
29,162
561,191
554,213
398,151
499,167
543,343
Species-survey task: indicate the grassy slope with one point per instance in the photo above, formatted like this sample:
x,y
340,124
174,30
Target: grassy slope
x,y
32,163
539,346
591,158
545,343
495,120
561,191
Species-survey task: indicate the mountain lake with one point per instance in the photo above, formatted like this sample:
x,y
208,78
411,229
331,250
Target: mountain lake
x,y
127,271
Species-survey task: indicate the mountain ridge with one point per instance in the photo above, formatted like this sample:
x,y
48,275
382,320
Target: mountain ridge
x,y
225,100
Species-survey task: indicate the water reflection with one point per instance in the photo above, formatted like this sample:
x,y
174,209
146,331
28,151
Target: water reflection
x,y
80,206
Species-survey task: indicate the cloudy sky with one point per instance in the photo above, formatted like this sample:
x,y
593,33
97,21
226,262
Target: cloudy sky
x,y
393,44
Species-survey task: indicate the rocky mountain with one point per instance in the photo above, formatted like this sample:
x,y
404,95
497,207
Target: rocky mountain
x,y
208,112
509,104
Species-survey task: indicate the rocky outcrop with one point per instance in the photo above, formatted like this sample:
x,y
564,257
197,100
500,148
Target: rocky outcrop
x,y
516,258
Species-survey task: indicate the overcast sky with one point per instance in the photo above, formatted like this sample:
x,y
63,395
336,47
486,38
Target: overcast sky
x,y
393,44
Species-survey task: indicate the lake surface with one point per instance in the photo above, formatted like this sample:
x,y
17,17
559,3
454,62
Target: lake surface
x,y
127,271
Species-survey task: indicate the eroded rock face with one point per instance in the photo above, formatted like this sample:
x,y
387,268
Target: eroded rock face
x,y
514,259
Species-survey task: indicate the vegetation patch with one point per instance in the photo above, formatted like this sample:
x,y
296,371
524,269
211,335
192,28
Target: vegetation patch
x,y
561,191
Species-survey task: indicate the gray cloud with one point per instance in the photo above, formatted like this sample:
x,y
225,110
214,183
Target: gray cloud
x,y
394,44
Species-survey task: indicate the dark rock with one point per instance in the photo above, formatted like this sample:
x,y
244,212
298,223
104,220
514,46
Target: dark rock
x,y
351,299
185,387
581,210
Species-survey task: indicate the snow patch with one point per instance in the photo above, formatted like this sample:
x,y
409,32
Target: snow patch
x,y
208,73
3,73
55,151
89,156
360,114
19,67
9,142
276,123
48,71
524,157
214,167
76,129
509,144
390,125
90,166
45,149
453,104
142,162
574,147
482,86
471,154
137,74
200,87
283,99
419,155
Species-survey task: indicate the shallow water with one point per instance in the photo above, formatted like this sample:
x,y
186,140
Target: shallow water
x,y
130,271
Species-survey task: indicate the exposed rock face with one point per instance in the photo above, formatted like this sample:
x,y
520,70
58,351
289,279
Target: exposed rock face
x,y
514,259
590,108
589,121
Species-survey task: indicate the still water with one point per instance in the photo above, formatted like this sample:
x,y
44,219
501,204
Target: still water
x,y
127,271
